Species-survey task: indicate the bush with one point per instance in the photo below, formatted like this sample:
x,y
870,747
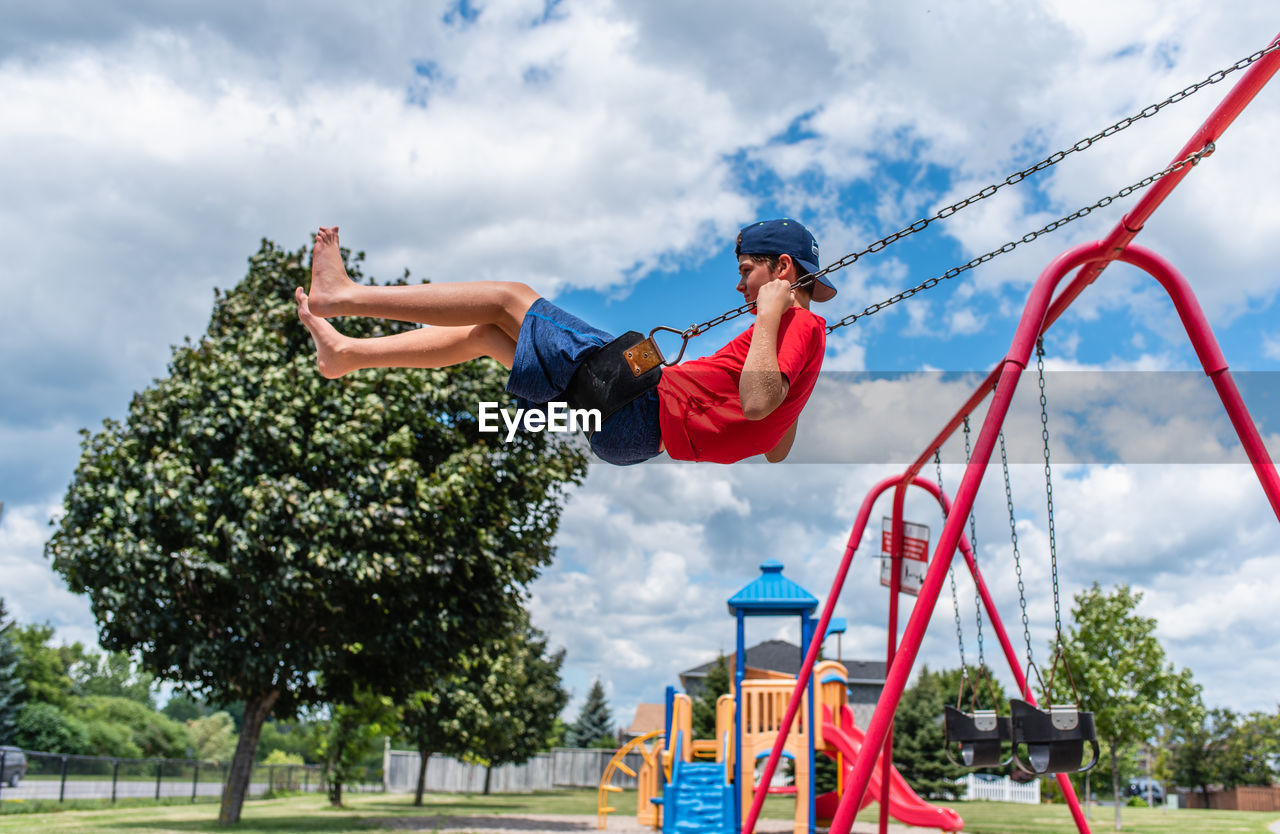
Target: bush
x,y
46,728
149,732
280,757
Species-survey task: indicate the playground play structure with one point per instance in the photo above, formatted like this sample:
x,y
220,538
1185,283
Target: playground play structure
x,y
704,786
696,799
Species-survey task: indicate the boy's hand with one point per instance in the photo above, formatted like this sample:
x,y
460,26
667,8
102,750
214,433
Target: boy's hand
x,y
774,298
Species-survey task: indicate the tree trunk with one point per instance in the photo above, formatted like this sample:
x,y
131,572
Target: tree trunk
x,y
335,792
1115,783
423,757
256,710
488,773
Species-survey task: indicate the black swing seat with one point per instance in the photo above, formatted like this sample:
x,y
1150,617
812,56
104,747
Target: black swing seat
x,y
615,374
980,736
1055,740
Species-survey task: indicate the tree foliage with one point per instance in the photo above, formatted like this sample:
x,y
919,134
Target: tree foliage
x,y
350,736
113,674
264,535
1122,673
47,728
917,733
213,737
11,685
594,727
45,669
718,681
521,695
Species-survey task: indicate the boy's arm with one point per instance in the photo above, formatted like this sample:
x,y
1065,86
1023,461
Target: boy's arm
x,y
779,452
762,387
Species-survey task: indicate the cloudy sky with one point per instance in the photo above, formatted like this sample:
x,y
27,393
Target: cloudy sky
x,y
606,153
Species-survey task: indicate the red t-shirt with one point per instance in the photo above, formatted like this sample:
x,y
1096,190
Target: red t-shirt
x,y
700,410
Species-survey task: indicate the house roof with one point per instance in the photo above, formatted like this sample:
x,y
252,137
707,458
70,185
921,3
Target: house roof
x,y
773,655
771,593
782,656
648,717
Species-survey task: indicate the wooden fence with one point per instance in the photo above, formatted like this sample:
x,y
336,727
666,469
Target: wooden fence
x,y
1239,799
563,767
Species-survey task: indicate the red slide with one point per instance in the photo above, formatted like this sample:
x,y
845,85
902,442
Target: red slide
x,y
904,805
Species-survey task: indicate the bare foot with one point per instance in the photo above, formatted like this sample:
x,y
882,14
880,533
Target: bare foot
x,y
330,284
330,344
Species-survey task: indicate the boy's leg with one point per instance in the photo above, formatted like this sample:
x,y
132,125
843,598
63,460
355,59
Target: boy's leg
x,y
428,347
333,293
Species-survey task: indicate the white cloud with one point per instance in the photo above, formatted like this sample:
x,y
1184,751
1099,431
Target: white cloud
x,y
32,593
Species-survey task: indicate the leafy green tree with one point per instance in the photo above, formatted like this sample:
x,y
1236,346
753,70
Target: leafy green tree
x,y
594,727
264,535
1122,674
183,707
445,715
11,685
213,737
350,736
44,727
917,733
521,695
113,674
1251,745
718,681
45,669
1198,738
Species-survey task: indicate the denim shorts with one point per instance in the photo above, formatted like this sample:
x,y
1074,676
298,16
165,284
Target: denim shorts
x,y
551,346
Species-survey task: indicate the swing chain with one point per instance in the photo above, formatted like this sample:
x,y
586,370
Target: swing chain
x,y
1048,491
1013,537
973,545
951,573
1016,177
1190,159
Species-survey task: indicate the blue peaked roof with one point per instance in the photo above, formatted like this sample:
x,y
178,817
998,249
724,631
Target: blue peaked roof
x,y
772,594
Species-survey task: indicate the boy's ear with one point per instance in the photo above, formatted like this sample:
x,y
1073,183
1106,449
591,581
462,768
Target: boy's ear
x,y
784,261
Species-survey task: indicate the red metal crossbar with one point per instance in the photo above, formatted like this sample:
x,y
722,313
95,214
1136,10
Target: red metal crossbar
x,y
1041,311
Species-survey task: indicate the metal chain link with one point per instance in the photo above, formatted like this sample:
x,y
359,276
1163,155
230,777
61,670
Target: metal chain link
x,y
1016,177
1050,160
1048,491
1013,537
1189,159
951,573
973,545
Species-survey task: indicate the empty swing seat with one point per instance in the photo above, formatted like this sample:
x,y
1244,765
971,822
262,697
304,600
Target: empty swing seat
x,y
980,735
1055,740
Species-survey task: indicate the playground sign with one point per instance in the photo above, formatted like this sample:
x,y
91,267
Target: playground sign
x,y
915,555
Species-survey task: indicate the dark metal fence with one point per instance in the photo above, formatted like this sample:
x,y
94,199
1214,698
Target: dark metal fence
x,y
59,778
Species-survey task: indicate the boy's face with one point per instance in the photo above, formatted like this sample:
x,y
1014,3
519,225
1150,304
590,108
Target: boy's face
x,y
752,275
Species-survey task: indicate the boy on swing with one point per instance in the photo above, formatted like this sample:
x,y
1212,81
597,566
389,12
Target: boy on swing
x,y
742,401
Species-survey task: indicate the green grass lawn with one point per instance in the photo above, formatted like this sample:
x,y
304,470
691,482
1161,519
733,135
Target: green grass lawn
x,y
367,811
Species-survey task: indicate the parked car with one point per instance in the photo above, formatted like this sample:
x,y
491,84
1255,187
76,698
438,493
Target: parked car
x,y
1139,788
15,766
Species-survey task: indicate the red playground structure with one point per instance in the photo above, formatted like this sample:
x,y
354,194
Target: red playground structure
x,y
1042,309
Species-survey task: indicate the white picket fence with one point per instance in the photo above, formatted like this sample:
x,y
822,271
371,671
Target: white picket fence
x,y
1001,790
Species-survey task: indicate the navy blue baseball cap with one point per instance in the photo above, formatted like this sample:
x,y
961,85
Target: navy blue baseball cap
x,y
786,237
